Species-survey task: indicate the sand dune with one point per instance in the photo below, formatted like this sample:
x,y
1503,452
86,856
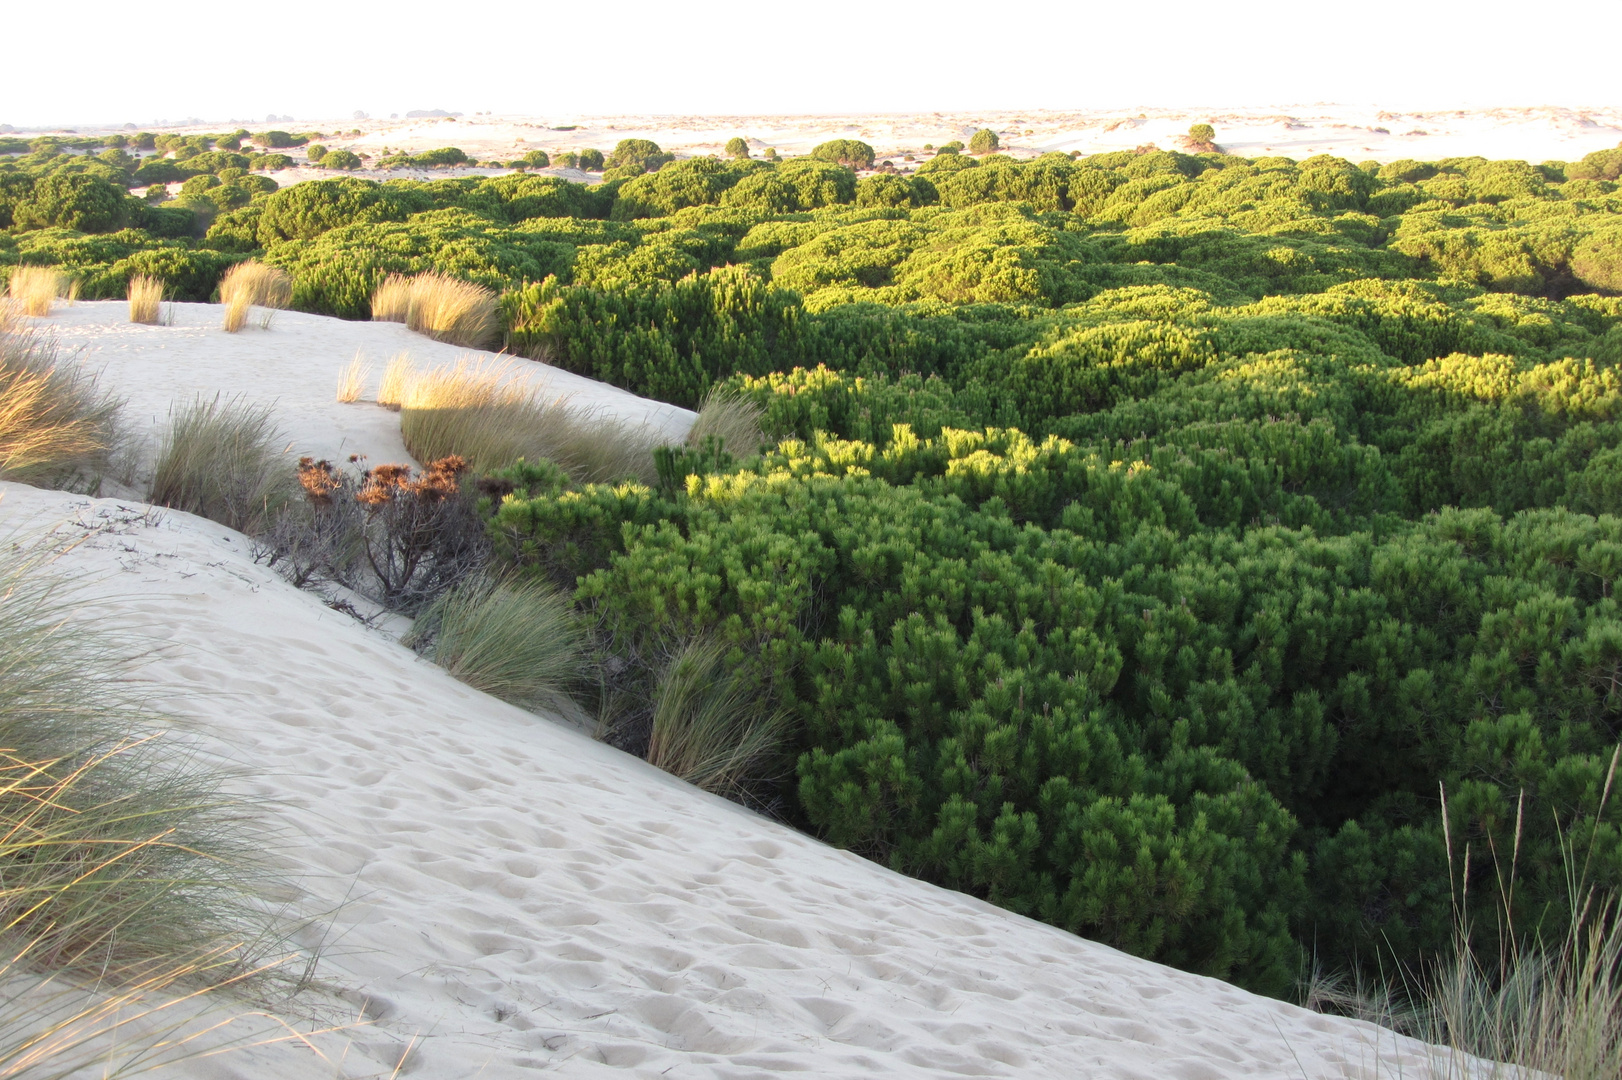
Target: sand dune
x,y
1357,133
294,366
513,897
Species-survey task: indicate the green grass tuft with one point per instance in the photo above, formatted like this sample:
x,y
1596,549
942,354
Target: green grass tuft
x,y
519,641
222,460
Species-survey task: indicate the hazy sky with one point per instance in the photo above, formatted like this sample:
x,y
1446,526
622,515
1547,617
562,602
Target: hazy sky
x,y
112,62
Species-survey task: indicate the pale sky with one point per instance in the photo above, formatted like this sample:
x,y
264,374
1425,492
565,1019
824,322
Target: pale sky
x,y
113,61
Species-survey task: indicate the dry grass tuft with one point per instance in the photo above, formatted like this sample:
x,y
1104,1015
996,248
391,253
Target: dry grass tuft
x,y
731,420
712,725
485,413
352,383
252,284
146,300
391,301
35,288
57,427
222,461
440,306
397,376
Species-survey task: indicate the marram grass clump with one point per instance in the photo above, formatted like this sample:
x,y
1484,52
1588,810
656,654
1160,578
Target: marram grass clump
x,y
252,284
58,427
128,883
486,413
439,306
34,289
223,460
713,725
517,640
146,300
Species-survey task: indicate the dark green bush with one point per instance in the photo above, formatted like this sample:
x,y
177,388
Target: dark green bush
x,y
537,159
444,156
276,140
83,203
847,152
315,152
983,142
158,171
340,159
591,160
737,147
642,155
898,191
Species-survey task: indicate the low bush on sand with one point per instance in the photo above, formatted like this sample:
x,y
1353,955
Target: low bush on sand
x,y
57,427
35,288
519,641
126,880
252,284
224,461
146,299
485,413
400,538
439,306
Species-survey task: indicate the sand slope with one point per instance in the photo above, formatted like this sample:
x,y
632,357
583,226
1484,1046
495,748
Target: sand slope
x,y
516,898
294,367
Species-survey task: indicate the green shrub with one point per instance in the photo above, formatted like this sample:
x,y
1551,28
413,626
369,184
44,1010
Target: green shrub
x,y
315,152
984,142
275,140
158,171
694,182
737,147
537,159
444,156
340,159
1596,262
899,191
639,154
82,203
847,152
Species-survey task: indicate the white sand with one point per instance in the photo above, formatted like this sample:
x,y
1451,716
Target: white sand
x,y
515,897
294,366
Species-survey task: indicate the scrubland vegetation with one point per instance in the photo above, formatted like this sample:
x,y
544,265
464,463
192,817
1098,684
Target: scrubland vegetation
x,y
1140,541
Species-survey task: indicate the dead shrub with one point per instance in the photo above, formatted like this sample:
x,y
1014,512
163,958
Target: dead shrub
x,y
397,537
